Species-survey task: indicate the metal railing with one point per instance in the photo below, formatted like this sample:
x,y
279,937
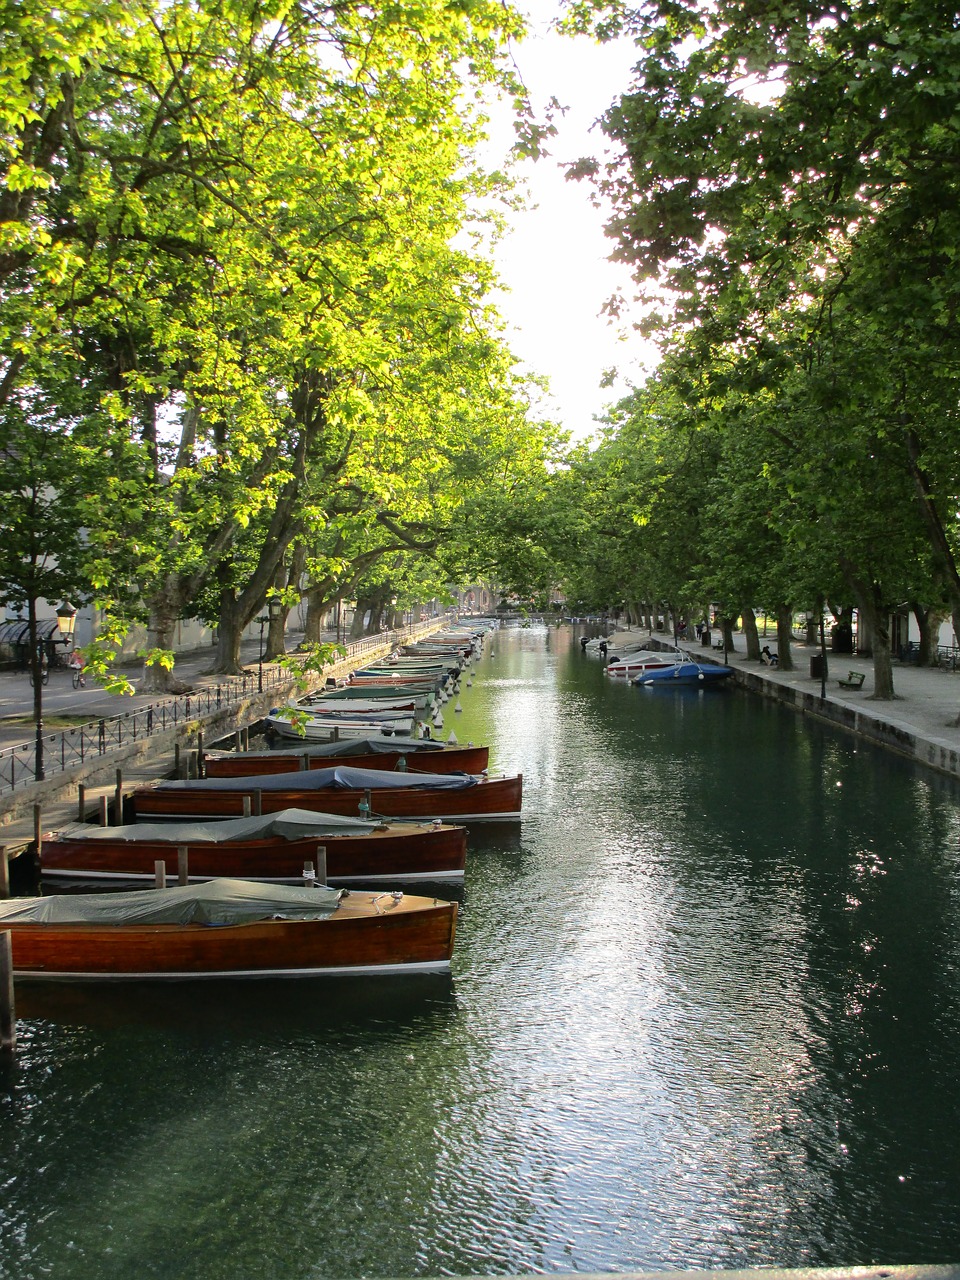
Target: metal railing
x,y
68,748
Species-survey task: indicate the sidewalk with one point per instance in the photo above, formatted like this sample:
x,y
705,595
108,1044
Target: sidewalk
x,y
60,699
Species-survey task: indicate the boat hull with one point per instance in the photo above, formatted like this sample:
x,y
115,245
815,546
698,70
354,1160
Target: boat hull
x,y
238,764
491,799
418,851
415,935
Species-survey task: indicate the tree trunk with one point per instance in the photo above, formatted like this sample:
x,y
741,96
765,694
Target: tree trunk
x,y
928,623
784,636
356,626
229,634
878,618
161,633
750,632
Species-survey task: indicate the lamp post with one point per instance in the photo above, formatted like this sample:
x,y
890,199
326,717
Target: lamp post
x,y
263,620
274,610
66,622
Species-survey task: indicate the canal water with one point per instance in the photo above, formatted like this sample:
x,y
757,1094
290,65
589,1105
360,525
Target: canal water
x,y
705,1012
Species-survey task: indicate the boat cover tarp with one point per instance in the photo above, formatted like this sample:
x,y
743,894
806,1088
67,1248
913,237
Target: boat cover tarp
x,y
213,902
345,747
337,778
287,824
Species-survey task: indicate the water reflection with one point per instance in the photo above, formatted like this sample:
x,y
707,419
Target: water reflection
x,y
705,1011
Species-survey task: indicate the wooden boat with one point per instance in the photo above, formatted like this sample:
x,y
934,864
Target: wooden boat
x,y
419,755
453,797
684,674
272,848
318,729
227,928
388,694
324,705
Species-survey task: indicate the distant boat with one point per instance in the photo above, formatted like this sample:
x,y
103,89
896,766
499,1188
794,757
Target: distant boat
x,y
318,729
227,929
272,848
684,673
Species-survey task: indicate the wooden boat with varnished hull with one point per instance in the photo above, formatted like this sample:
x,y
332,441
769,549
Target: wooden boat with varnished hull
x,y
451,797
282,934
236,764
271,849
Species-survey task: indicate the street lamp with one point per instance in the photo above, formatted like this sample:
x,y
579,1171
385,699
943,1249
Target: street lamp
x,y
274,610
66,620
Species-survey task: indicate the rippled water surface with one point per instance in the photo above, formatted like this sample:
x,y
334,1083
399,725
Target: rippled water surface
x,y
705,1011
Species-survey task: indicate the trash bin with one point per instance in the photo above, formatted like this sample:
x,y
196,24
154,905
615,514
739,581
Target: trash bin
x,y
705,638
818,667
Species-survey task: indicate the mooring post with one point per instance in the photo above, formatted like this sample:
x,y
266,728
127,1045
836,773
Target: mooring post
x,y
257,803
159,874
237,740
183,853
37,829
321,864
118,801
309,875
4,873
246,737
81,802
199,753
246,806
103,811
176,759
8,1017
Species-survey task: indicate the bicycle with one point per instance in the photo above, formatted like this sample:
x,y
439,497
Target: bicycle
x,y
44,676
78,678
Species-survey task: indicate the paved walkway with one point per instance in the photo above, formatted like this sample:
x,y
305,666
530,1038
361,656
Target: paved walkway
x,y
60,699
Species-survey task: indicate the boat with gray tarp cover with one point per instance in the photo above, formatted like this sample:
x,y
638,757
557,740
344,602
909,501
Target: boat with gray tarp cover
x,y
227,928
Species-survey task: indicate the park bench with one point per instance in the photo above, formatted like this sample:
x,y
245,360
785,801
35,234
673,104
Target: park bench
x,y
854,680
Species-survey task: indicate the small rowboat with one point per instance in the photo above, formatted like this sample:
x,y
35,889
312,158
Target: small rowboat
x,y
420,755
273,848
453,797
224,929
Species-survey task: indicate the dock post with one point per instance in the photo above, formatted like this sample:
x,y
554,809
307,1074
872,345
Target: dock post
x,y
8,1017
176,759
246,806
81,802
37,829
118,801
246,737
183,853
103,811
199,753
4,873
309,875
321,864
160,874
257,803
237,740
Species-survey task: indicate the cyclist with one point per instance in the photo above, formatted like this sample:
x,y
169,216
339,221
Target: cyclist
x,y
75,662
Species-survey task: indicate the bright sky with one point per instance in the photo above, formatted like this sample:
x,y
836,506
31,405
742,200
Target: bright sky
x,y
555,259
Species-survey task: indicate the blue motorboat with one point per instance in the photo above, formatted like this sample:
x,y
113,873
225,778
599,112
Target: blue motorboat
x,y
684,673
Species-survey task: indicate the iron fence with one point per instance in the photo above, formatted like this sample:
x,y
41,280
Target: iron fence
x,y
67,748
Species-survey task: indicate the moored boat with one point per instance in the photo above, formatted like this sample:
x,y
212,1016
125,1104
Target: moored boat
x,y
272,848
320,729
227,928
684,673
418,755
453,797
635,664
